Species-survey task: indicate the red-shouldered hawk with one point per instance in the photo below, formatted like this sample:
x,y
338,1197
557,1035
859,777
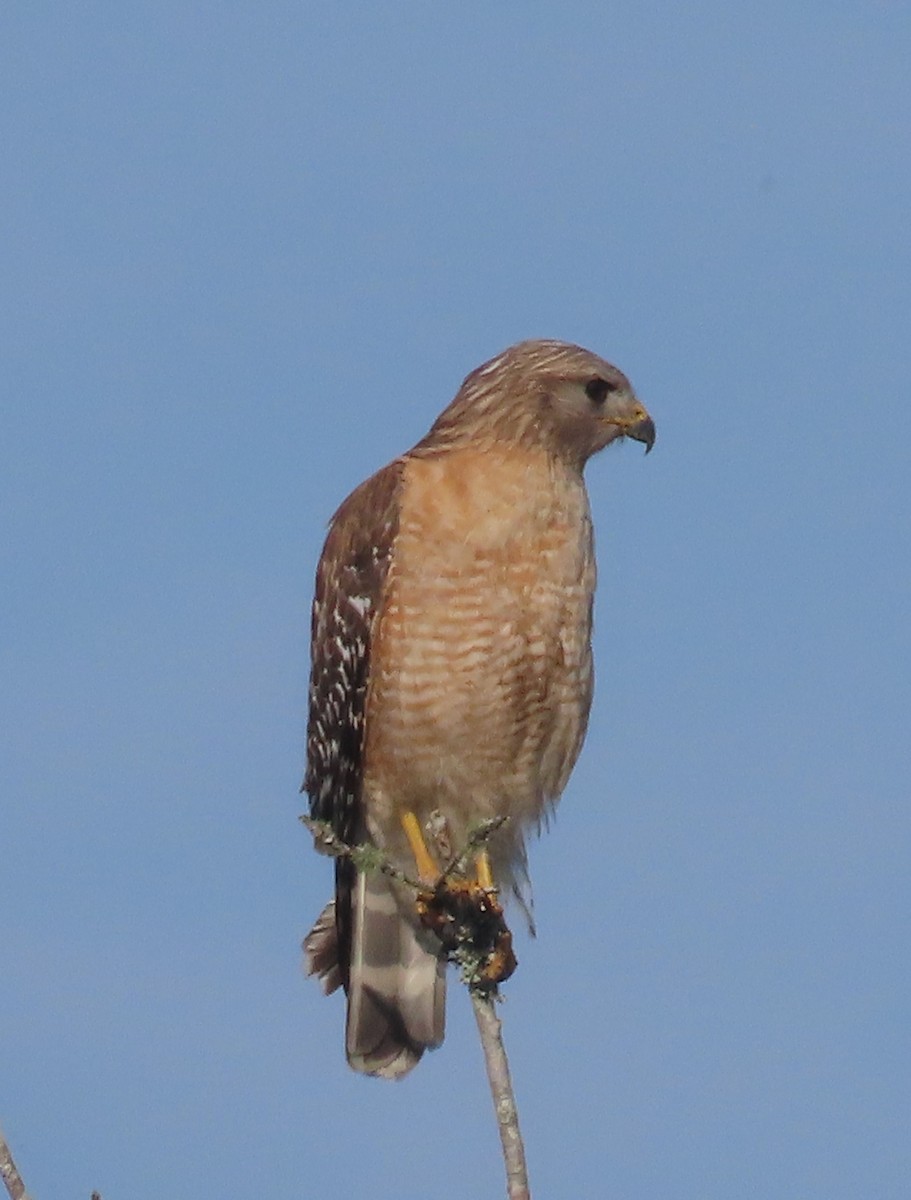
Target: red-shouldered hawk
x,y
452,669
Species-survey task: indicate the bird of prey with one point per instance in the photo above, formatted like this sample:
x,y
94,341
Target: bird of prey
x,y
452,669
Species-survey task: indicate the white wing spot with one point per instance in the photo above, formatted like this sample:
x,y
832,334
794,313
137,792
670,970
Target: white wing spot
x,y
360,604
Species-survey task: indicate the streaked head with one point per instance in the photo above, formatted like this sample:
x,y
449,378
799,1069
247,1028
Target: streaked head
x,y
549,394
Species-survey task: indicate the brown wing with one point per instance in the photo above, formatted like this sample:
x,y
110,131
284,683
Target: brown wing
x,y
349,585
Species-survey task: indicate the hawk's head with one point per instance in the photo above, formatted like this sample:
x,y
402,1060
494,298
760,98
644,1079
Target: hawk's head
x,y
549,394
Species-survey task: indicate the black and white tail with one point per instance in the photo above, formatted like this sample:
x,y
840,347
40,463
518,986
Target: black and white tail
x,y
396,986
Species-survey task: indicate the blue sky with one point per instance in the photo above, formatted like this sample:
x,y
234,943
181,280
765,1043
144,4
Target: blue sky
x,y
249,252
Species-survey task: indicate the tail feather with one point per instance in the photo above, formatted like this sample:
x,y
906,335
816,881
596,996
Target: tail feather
x,y
396,985
321,953
397,991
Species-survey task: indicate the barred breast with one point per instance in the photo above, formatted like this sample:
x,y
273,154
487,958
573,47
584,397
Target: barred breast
x,y
481,673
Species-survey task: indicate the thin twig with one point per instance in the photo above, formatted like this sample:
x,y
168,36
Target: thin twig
x,y
365,857
11,1178
504,1099
478,837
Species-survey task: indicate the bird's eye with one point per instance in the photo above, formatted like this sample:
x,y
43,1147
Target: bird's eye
x,y
599,389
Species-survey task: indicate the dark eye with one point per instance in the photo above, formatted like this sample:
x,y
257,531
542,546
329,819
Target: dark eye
x,y
599,389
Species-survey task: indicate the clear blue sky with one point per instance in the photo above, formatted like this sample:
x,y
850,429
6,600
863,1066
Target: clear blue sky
x,y
249,251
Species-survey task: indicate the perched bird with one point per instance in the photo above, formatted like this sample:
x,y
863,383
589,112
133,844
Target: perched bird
x,y
451,667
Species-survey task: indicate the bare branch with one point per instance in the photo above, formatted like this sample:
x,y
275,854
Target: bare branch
x,y
368,857
365,857
478,837
11,1178
504,1099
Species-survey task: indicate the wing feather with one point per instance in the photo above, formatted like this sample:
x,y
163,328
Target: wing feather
x,y
350,579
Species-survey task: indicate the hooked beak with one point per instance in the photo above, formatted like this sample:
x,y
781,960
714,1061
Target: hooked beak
x,y
633,421
643,430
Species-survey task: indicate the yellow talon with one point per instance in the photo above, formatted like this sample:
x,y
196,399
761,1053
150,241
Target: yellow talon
x,y
485,875
428,870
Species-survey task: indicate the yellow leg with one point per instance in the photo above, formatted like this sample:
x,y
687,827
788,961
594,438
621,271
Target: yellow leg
x,y
428,871
485,875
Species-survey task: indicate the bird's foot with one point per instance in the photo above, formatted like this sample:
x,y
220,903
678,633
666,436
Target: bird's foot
x,y
468,920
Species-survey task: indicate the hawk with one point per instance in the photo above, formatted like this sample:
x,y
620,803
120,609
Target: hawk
x,y
452,669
